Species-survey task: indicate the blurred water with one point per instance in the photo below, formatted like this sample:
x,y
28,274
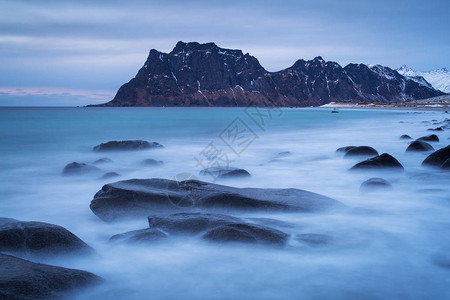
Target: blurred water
x,y
386,245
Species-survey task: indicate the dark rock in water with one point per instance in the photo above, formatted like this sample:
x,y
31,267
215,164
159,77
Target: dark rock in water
x,y
126,145
103,160
149,162
109,175
446,165
78,169
383,161
246,233
39,238
345,149
225,172
436,129
23,279
375,184
405,137
334,112
429,138
361,151
148,235
138,197
314,239
283,154
190,223
419,146
437,158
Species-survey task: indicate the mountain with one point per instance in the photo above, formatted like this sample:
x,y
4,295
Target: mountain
x,y
194,74
438,79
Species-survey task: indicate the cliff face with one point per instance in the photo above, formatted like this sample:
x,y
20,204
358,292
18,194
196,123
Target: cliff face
x,y
194,74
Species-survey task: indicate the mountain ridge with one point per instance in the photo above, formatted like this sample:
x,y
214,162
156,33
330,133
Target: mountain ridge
x,y
195,74
438,79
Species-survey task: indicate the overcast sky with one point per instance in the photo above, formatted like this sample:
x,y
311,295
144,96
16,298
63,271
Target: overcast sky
x,y
80,52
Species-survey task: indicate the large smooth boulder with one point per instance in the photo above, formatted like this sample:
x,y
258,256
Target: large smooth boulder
x,y
429,138
143,197
224,172
359,151
23,279
126,145
374,184
147,235
437,158
344,149
419,146
383,161
39,238
79,169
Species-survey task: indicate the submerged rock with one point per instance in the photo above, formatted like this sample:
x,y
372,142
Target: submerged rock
x,y
78,169
446,165
419,146
148,235
375,183
103,160
246,233
405,137
126,145
23,279
383,161
138,197
436,129
109,175
149,162
361,151
429,138
39,238
437,158
314,239
224,172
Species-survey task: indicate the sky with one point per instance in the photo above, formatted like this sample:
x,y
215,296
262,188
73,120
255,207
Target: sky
x,y
74,53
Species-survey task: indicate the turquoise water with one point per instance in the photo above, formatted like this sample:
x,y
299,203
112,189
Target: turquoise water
x,y
385,245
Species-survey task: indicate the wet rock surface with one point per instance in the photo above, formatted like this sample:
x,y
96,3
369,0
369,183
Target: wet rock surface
x,y
138,197
126,145
222,173
383,161
419,146
23,279
437,158
79,169
429,138
359,151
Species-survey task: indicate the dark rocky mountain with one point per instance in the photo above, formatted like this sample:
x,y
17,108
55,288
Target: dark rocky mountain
x,y
194,74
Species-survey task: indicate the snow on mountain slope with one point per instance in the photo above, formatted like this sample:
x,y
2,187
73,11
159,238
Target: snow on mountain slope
x,y
439,79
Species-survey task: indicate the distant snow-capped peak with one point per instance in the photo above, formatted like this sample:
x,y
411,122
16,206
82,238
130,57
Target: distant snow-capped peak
x,y
439,79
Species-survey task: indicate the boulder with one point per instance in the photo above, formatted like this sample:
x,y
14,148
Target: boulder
x,y
436,129
39,238
419,146
109,175
148,235
246,233
361,151
126,145
103,160
375,184
224,172
437,158
149,162
23,279
78,169
139,197
429,138
405,137
383,161
345,149
446,165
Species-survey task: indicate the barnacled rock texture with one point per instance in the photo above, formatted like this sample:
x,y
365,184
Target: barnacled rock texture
x,y
39,238
437,158
139,197
194,74
126,145
23,279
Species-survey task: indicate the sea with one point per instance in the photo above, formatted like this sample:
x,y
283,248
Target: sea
x,y
386,244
